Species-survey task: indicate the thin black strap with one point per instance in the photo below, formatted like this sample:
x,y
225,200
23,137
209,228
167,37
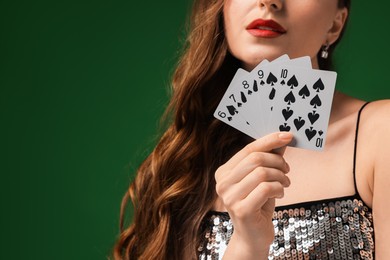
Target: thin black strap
x,y
355,147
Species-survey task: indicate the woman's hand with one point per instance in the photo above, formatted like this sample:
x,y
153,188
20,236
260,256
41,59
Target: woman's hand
x,y
247,185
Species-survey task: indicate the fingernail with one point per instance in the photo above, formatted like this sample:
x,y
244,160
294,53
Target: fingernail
x,y
285,136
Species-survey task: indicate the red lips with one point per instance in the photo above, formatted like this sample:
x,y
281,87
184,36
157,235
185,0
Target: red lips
x,y
265,28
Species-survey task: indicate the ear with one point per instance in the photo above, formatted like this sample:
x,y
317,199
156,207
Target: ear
x,y
337,25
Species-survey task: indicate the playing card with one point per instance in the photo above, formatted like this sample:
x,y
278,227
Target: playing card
x,y
266,77
246,89
303,105
227,108
282,95
275,78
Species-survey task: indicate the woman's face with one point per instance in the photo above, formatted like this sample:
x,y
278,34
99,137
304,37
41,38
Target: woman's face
x,y
266,29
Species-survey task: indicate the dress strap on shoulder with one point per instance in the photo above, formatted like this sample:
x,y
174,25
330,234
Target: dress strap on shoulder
x,y
355,145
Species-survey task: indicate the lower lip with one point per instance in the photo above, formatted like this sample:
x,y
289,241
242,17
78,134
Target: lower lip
x,y
264,33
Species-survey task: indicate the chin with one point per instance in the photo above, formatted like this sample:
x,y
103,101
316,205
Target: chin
x,y
250,60
249,66
249,63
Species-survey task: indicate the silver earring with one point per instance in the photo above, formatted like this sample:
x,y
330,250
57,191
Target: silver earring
x,y
324,52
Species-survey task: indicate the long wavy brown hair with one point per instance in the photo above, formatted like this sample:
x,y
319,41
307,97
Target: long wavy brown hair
x,y
174,187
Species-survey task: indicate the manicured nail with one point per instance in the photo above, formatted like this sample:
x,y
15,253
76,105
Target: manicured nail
x,y
285,136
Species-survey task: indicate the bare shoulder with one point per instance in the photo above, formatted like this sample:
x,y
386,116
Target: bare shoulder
x,y
381,106
375,131
376,128
373,150
377,116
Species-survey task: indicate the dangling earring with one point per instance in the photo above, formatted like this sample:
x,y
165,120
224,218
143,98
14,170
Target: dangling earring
x,y
325,53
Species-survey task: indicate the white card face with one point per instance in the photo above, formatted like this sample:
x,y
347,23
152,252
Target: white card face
x,y
259,111
227,109
282,95
246,90
274,79
303,105
268,99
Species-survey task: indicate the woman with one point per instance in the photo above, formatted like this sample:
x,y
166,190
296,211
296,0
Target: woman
x,y
208,190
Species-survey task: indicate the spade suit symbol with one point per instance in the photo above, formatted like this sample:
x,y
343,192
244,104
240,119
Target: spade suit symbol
x,y
313,117
287,113
310,133
232,110
319,85
255,87
316,102
304,92
243,97
292,82
272,94
290,98
299,122
284,127
271,79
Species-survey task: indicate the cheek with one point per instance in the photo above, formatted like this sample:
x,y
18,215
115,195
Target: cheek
x,y
315,19
235,13
230,23
311,29
230,16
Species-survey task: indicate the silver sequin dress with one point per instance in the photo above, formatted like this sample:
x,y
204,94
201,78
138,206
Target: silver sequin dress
x,y
331,229
339,228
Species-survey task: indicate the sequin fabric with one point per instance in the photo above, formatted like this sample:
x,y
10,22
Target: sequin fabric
x,y
331,229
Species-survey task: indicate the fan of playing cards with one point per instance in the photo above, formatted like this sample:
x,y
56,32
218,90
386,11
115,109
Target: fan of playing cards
x,y
282,95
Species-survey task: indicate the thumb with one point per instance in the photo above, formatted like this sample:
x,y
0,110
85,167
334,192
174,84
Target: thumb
x,y
281,150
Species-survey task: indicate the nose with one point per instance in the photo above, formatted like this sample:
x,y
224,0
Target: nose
x,y
274,5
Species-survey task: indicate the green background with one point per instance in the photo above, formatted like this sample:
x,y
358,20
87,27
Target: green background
x,y
82,87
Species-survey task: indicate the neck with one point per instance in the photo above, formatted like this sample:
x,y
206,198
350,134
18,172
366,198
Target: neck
x,y
342,106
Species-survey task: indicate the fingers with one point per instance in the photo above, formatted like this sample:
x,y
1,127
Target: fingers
x,y
256,201
242,189
260,175
255,175
253,161
267,143
261,194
